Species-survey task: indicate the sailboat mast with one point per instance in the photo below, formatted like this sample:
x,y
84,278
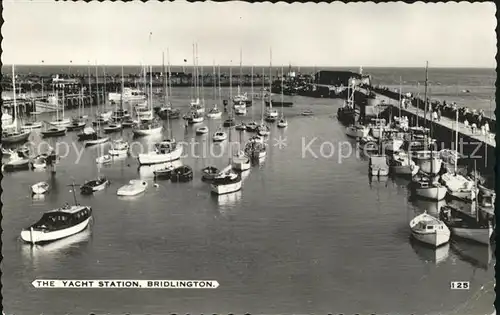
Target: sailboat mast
x,y
213,76
270,76
282,77
425,94
15,102
263,98
121,97
456,140
164,82
220,90
169,78
251,96
151,87
400,92
97,85
230,82
241,71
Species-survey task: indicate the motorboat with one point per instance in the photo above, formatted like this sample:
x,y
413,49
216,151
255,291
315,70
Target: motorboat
x,y
282,123
241,126
252,126
227,181
164,152
133,188
209,173
429,230
57,224
182,173
91,186
256,149
17,162
357,131
429,189
477,226
39,162
271,115
88,133
214,113
104,159
164,173
113,127
401,164
240,110
196,118
202,130
40,188
459,186
378,165
95,140
263,130
119,147
219,135
240,161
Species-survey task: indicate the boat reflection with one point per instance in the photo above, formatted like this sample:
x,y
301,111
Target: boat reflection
x,y
378,181
52,252
476,254
432,207
147,171
228,202
38,197
429,254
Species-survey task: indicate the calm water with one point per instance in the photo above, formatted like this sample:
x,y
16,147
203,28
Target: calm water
x,y
305,235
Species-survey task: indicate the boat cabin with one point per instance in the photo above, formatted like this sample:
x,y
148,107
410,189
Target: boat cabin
x,y
63,218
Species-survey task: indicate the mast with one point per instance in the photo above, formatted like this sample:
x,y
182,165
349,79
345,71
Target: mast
x,y
263,98
202,91
193,93
214,90
123,87
151,87
197,74
241,71
400,92
418,101
282,77
220,90
456,140
90,90
97,85
270,77
230,82
15,102
164,81
251,96
169,78
425,94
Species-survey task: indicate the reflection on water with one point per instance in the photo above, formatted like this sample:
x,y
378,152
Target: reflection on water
x,y
432,207
429,254
228,203
51,253
478,255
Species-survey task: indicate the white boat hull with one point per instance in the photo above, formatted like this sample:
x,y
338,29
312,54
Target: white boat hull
x,y
226,189
241,163
148,132
478,235
66,122
214,115
98,141
357,132
116,152
40,236
156,158
433,239
433,193
125,191
39,189
379,171
33,126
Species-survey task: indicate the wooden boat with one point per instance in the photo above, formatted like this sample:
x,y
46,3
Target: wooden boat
x,y
476,226
165,151
227,181
11,137
104,159
94,185
88,133
401,164
241,162
119,147
252,126
133,188
57,224
40,188
219,135
241,126
428,188
39,162
95,140
209,173
17,162
54,132
182,174
378,165
429,230
113,127
128,122
164,173
202,130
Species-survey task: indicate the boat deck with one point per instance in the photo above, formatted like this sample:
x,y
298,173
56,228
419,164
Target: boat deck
x,y
488,138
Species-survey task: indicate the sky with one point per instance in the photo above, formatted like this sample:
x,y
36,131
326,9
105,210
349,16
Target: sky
x,y
337,34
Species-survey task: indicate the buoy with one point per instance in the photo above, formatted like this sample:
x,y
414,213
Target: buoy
x,y
156,185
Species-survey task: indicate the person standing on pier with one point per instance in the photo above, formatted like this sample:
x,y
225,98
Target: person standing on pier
x,y
439,114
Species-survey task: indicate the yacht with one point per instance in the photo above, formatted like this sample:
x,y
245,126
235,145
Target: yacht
x,y
164,152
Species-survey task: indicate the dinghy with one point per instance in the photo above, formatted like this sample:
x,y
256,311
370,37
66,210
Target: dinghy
x,y
57,224
96,140
88,133
182,174
219,136
429,230
94,185
164,173
282,123
113,127
39,162
104,159
119,147
307,112
40,188
134,187
202,130
230,122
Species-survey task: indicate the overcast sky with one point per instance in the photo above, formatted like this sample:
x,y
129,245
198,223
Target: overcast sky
x,y
367,34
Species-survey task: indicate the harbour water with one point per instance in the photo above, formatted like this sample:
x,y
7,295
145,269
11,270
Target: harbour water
x,y
305,234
